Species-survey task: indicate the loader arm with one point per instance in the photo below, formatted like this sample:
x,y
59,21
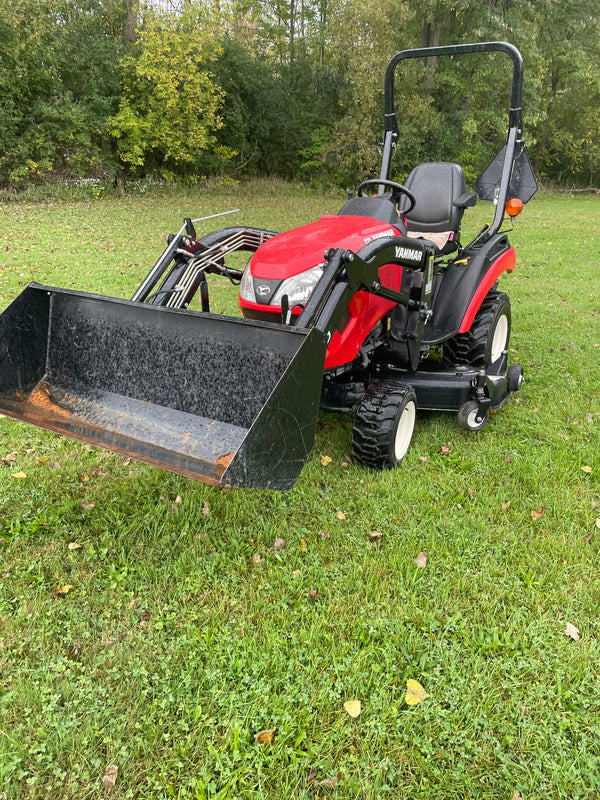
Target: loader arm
x,y
347,273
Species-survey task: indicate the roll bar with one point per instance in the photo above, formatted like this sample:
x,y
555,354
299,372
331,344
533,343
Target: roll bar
x,y
515,120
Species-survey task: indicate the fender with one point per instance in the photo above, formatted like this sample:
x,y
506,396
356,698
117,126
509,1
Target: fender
x,y
504,263
459,290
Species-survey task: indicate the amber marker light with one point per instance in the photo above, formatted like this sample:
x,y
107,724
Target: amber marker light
x,y
513,207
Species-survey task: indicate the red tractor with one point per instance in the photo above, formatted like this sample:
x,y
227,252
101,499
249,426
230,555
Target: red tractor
x,y
377,311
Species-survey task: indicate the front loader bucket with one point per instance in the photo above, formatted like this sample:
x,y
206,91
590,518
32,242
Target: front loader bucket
x,y
227,401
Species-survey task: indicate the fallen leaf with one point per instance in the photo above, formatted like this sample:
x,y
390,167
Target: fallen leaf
x,y
303,544
586,469
572,631
590,418
324,535
257,558
352,708
19,475
110,777
516,795
87,505
61,591
598,522
206,509
278,544
313,594
423,459
296,573
445,450
74,545
375,534
9,458
265,737
505,505
5,576
328,783
340,515
85,478
415,693
54,465
41,459
421,559
537,513
326,460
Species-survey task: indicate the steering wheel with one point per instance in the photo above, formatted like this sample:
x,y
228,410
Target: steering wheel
x,y
396,188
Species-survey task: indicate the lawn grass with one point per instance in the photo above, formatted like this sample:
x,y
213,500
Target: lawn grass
x,y
189,628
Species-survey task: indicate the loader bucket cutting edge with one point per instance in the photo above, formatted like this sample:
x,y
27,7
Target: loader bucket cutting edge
x,y
227,401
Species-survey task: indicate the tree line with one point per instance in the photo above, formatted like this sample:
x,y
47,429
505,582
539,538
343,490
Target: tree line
x,y
182,89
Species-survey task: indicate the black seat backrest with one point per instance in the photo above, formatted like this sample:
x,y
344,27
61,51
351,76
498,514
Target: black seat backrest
x,y
439,190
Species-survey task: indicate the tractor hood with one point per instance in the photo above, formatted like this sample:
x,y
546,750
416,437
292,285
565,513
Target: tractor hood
x,y
301,249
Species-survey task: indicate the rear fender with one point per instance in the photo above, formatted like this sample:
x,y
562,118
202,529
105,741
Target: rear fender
x,y
504,263
464,285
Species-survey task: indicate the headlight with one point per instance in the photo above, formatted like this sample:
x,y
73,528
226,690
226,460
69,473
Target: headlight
x,y
247,286
299,288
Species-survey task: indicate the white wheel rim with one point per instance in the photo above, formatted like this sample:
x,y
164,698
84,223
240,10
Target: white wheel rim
x,y
499,339
404,431
473,419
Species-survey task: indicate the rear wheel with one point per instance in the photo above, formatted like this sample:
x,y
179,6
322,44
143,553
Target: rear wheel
x,y
488,337
384,423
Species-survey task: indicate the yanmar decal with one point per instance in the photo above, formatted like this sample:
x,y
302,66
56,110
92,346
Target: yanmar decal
x,y
382,235
408,254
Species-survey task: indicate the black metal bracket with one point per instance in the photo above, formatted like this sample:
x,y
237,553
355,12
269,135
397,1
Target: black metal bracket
x,y
347,273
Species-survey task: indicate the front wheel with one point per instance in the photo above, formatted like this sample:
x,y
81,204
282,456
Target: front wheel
x,y
384,423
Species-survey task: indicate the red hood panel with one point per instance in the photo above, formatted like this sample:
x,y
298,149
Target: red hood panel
x,y
300,249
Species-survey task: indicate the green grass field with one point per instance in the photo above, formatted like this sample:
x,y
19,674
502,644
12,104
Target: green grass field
x,y
198,617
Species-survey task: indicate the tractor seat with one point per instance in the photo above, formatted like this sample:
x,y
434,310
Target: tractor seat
x,y
439,190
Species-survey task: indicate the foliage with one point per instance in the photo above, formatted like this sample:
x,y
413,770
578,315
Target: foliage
x,y
105,88
57,87
169,106
240,644
272,116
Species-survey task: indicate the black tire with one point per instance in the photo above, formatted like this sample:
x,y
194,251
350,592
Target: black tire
x,y
488,336
468,416
383,424
514,377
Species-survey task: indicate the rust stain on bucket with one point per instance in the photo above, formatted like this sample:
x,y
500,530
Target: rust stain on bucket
x,y
41,398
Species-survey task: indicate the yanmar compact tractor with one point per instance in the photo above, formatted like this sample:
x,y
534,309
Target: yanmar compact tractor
x,y
378,311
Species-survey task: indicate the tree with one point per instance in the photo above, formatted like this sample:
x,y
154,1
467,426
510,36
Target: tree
x,y
57,87
170,104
